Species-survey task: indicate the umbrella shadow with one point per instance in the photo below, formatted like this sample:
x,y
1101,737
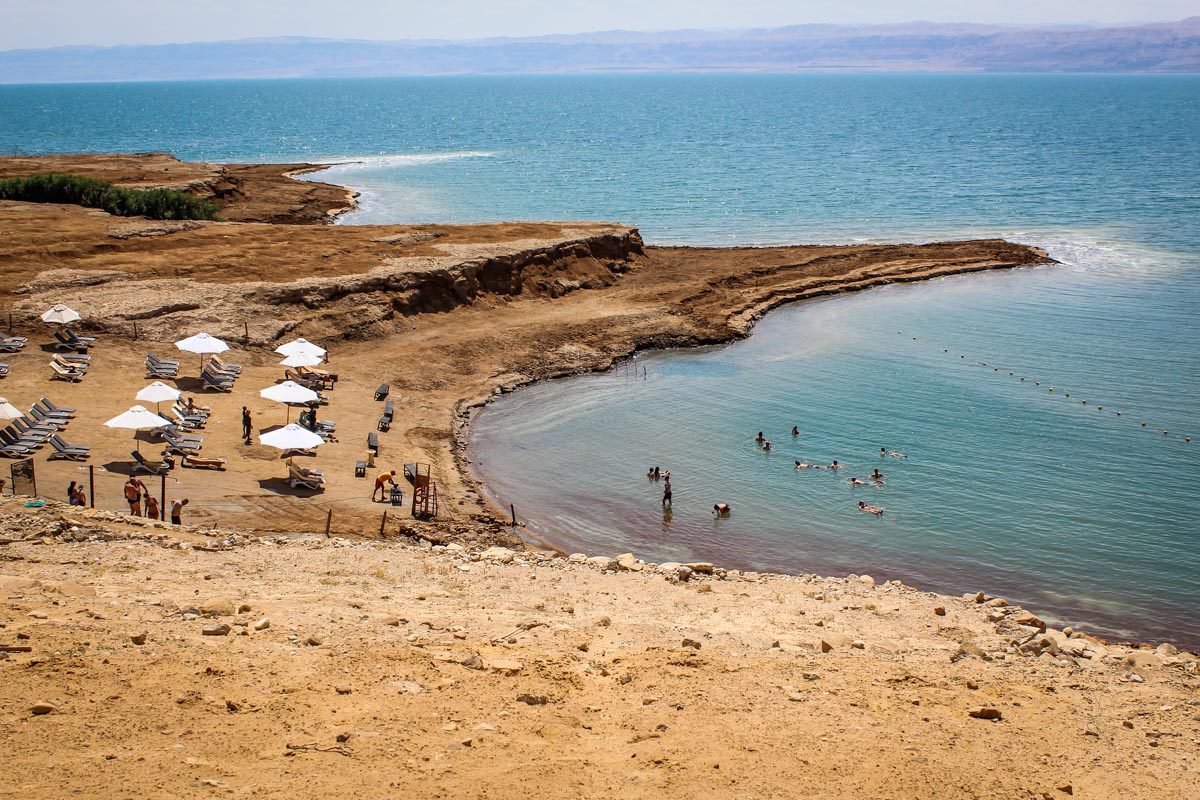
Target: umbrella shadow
x,y
188,384
283,486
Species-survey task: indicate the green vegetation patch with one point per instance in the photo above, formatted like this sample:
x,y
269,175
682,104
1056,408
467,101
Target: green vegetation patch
x,y
56,187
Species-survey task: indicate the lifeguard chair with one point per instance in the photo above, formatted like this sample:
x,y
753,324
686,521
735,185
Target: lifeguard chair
x,y
424,498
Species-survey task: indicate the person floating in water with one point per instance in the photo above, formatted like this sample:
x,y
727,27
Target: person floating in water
x,y
721,509
894,454
766,447
666,498
877,476
883,453
760,438
802,465
795,431
862,506
835,465
854,481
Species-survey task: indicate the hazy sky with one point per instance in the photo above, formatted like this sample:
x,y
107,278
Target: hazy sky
x,y
46,23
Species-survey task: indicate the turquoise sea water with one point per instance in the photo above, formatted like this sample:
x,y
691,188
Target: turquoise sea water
x,y
1077,512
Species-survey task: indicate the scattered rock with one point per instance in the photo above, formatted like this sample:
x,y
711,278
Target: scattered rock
x,y
603,622
505,666
343,689
472,661
343,737
939,610
218,607
262,624
216,630
312,640
501,555
42,708
602,562
393,621
628,563
1029,619
859,644
1141,659
867,580
980,597
138,638
985,712
691,643
704,587
1066,788
1127,724
702,567
972,685
533,699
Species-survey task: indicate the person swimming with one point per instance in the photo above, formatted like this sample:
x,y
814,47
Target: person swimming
x,y
760,438
721,509
802,465
883,452
854,481
766,446
862,506
795,431
877,476
894,454
835,465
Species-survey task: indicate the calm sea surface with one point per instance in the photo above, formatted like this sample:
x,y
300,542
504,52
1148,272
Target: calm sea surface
x,y
1074,510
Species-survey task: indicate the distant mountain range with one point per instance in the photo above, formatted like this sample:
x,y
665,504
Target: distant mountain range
x,y
1165,47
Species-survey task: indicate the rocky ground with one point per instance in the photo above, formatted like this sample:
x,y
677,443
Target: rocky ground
x,y
146,662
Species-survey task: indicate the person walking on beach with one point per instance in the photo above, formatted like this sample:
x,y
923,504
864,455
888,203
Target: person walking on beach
x,y
247,423
177,511
381,482
666,500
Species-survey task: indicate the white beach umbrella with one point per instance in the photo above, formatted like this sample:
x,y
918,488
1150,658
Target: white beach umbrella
x,y
137,418
158,392
300,345
301,360
202,343
61,315
289,392
8,410
291,437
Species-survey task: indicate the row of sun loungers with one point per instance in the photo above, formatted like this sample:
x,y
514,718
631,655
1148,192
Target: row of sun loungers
x,y
219,376
39,427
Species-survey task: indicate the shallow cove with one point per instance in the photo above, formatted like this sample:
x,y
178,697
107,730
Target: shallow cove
x,y
1009,487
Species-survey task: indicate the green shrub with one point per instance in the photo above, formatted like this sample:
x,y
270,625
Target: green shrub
x,y
54,187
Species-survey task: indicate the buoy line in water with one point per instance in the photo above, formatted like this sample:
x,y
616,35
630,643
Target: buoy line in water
x,y
1051,389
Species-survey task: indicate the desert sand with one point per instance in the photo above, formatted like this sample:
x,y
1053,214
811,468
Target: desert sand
x,y
447,666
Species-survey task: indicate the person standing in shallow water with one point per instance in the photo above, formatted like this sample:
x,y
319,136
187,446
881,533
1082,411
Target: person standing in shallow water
x,y
666,499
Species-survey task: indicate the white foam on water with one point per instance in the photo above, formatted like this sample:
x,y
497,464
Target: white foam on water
x,y
360,163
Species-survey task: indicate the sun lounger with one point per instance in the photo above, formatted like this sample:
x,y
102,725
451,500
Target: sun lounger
x,y
221,366
309,478
33,429
382,392
188,422
11,344
53,408
373,442
153,467
61,373
196,462
63,341
15,451
13,446
42,418
11,435
216,383
162,362
161,372
3,370
63,450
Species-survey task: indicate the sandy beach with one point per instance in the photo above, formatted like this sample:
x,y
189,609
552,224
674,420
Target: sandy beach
x,y
468,669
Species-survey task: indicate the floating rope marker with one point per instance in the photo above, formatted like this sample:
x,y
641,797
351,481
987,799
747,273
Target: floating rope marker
x,y
1165,431
1143,424
1118,413
1037,383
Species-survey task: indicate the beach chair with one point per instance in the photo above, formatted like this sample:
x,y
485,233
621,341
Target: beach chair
x,y
188,422
153,467
3,370
160,368
196,462
221,366
382,392
162,362
308,478
15,447
11,435
64,342
11,344
75,337
215,383
80,367
373,442
30,428
52,408
64,450
61,373
42,418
